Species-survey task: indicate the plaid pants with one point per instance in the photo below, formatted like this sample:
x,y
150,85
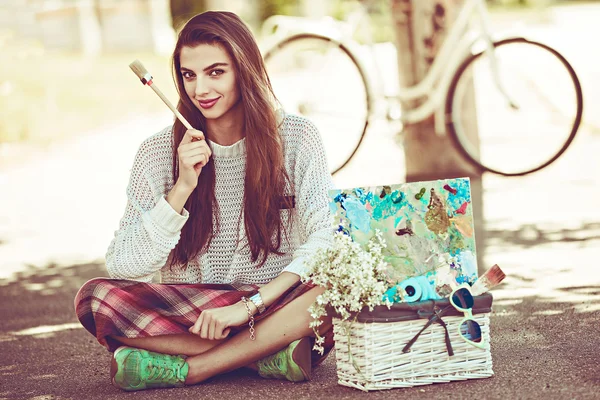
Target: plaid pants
x,y
115,307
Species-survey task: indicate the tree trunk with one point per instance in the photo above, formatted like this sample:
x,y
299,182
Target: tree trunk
x,y
420,28
162,29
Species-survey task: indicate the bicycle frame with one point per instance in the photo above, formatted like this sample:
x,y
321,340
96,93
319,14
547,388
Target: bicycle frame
x,y
434,86
463,44
455,48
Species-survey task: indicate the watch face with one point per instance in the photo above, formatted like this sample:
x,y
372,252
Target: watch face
x,y
257,300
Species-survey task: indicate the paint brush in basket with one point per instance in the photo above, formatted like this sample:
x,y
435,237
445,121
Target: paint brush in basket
x,y
138,68
488,280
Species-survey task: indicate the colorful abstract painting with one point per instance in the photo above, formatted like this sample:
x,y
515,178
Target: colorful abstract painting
x,y
425,225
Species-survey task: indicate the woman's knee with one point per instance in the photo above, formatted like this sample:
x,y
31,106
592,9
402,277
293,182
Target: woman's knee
x,y
90,288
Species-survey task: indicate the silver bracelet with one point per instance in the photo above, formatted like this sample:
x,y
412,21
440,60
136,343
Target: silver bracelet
x,y
258,302
251,321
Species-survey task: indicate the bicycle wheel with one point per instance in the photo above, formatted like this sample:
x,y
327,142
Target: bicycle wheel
x,y
320,78
514,141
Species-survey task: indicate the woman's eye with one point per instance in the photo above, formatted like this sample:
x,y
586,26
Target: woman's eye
x,y
216,72
187,75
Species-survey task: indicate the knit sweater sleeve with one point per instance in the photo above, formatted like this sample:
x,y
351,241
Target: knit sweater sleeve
x,y
312,182
150,228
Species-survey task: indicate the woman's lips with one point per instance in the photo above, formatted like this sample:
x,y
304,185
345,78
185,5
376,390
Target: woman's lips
x,y
208,103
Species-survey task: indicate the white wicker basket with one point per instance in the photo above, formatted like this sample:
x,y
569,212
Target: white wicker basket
x,y
376,348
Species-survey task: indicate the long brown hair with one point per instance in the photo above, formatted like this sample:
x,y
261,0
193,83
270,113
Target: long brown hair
x,y
266,178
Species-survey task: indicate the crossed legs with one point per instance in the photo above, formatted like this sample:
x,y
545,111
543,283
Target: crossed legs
x,y
207,358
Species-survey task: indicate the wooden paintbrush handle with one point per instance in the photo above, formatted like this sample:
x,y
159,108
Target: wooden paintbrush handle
x,y
180,117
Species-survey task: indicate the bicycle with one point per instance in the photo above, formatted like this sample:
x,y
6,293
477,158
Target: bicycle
x,y
322,76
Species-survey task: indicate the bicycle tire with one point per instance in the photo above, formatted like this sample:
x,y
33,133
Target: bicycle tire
x,y
327,41
458,138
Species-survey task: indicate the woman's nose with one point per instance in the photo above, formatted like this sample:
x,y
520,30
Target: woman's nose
x,y
201,88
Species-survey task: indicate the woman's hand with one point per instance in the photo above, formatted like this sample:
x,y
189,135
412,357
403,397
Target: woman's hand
x,y
214,323
193,154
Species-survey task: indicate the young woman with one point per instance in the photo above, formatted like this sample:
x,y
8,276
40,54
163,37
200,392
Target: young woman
x,y
226,216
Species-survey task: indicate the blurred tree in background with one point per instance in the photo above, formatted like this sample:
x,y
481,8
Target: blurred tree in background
x,y
182,10
277,7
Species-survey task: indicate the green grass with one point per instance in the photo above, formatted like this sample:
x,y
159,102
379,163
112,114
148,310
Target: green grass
x,y
45,96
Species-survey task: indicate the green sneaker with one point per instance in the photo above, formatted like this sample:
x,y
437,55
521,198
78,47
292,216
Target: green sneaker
x,y
136,369
292,363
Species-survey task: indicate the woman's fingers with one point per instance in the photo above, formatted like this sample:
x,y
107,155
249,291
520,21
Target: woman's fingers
x,y
194,155
190,135
204,328
190,162
219,329
195,329
212,329
194,152
200,327
200,144
225,333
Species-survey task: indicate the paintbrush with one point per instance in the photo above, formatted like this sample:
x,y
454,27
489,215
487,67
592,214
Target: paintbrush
x,y
138,68
488,280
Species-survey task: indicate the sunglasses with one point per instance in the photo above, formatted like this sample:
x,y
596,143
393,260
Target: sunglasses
x,y
468,329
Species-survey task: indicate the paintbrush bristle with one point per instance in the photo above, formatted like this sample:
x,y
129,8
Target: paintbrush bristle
x,y
488,280
495,275
138,68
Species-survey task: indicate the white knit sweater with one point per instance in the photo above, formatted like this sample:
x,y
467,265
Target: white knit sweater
x,y
150,228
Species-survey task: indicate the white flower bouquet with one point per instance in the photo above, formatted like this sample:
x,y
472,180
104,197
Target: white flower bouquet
x,y
353,278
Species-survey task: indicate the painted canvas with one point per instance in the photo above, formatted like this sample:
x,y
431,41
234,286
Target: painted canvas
x,y
425,225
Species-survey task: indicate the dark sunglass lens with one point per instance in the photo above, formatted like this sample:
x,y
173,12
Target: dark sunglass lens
x,y
462,298
471,330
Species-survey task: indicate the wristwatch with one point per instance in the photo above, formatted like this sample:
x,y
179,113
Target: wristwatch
x,y
258,302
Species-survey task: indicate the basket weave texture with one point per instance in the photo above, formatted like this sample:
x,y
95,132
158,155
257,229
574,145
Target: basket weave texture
x,y
376,349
